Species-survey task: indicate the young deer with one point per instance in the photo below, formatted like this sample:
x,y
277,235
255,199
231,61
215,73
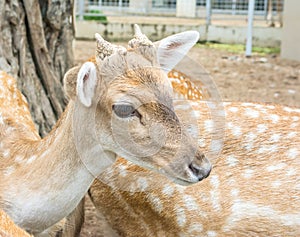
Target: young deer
x,y
124,93
253,190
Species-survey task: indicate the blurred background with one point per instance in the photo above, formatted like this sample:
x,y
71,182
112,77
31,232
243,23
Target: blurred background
x,y
40,40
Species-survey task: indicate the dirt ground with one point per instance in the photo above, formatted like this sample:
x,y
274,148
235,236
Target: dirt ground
x,y
257,79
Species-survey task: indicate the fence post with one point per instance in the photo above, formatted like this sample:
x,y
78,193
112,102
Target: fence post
x,y
233,7
250,28
208,12
81,9
266,8
120,5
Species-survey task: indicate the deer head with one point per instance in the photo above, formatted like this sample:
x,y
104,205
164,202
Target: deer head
x,y
131,99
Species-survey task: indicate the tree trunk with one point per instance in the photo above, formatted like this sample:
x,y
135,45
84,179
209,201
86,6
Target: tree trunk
x,y
36,48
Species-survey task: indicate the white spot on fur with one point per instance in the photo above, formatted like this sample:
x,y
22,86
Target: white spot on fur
x,y
267,149
201,142
276,184
291,135
233,109
214,193
122,170
270,106
168,190
240,208
251,113
291,172
274,117
211,105
209,125
31,159
294,125
292,153
288,109
196,114
9,170
279,166
180,216
247,104
190,203
156,202
6,153
285,118
214,180
231,161
216,145
250,137
229,125
261,128
248,173
237,131
295,118
275,137
195,228
1,119
211,233
235,193
133,188
143,184
19,159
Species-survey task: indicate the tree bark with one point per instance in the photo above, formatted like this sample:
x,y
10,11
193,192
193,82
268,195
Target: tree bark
x,y
36,48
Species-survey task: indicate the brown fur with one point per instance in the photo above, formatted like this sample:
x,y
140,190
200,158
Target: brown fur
x,y
9,229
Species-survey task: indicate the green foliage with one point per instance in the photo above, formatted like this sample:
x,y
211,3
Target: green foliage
x,y
96,15
239,48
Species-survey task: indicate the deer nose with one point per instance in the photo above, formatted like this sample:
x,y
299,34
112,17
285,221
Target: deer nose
x,y
200,167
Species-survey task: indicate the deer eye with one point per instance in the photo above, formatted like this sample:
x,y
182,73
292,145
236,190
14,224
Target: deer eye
x,y
125,111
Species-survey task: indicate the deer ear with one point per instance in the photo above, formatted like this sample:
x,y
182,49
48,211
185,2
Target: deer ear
x,y
173,48
86,83
70,82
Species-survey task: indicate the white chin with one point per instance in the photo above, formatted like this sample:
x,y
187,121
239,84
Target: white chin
x,y
181,182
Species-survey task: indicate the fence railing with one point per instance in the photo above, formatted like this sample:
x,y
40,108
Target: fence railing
x,y
268,9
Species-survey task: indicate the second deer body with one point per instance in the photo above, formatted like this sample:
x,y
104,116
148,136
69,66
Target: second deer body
x,y
253,190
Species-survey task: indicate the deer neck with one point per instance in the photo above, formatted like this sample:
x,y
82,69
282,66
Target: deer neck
x,y
54,176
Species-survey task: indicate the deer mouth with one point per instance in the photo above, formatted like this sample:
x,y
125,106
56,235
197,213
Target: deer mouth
x,y
181,181
191,175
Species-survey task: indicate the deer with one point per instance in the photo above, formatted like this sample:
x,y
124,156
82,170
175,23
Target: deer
x,y
253,189
184,88
126,92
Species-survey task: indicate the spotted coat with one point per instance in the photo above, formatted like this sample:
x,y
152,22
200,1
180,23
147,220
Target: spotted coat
x,y
253,189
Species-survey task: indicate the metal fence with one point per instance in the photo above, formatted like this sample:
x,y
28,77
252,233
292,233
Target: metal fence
x,y
269,10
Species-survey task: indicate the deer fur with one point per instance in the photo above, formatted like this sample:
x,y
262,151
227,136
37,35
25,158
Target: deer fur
x,y
42,180
8,228
253,190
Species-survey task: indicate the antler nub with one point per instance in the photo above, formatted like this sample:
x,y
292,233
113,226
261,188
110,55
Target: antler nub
x,y
137,31
139,38
105,49
98,37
